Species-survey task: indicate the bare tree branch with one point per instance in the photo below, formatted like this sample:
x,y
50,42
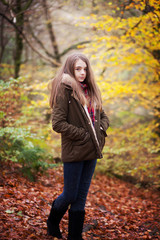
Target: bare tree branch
x,y
4,2
73,47
27,5
39,41
52,61
46,51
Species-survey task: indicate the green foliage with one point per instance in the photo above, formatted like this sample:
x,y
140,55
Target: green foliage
x,y
33,161
2,114
20,138
6,85
6,70
10,102
16,147
133,152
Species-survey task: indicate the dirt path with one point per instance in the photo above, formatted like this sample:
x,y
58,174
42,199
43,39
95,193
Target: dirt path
x,y
114,210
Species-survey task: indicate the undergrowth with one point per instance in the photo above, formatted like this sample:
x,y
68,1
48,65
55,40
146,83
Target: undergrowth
x,y
133,154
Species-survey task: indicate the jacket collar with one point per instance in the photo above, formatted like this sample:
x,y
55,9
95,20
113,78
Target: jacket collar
x,y
68,80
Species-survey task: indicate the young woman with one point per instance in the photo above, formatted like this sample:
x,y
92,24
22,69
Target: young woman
x,y
77,114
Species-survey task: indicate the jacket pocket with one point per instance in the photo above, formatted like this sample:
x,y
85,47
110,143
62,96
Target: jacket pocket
x,y
84,150
81,142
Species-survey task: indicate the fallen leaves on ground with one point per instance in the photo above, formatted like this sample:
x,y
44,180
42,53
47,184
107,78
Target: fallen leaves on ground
x,y
114,209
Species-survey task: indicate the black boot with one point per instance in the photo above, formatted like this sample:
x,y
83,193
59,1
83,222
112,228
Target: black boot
x,y
53,221
76,220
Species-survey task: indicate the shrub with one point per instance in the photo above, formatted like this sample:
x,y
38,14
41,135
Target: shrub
x,y
16,146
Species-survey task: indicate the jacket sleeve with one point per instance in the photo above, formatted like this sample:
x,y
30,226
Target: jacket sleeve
x,y
59,119
104,121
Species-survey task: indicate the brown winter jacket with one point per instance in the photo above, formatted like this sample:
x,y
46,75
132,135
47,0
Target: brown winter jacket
x,y
69,118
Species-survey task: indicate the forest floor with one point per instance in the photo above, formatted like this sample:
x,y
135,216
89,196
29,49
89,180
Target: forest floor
x,y
114,209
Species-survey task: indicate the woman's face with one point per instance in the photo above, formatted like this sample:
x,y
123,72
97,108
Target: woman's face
x,y
80,70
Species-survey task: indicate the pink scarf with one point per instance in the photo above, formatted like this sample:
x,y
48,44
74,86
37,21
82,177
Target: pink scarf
x,y
90,109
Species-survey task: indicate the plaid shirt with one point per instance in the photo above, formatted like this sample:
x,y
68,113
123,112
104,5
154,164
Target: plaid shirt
x,y
90,109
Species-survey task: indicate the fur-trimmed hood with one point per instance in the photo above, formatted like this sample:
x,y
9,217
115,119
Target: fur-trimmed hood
x,y
71,82
68,80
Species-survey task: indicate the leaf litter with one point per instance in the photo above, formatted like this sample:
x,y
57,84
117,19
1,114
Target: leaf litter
x,y
114,209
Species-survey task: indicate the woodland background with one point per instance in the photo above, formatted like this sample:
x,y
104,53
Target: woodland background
x,y
122,41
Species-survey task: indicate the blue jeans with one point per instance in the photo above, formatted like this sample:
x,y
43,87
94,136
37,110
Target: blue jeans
x,y
77,179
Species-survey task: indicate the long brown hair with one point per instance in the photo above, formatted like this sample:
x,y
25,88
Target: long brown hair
x,y
68,68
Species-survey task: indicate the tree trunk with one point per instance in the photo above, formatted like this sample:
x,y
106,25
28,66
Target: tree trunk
x,y
51,32
18,38
1,39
